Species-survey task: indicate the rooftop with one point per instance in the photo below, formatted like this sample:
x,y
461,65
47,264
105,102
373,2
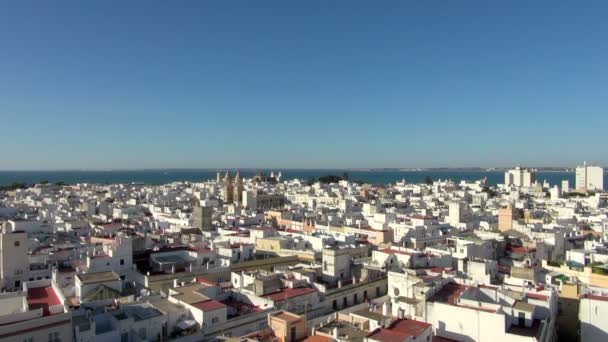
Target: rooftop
x,y
286,316
189,293
288,293
366,313
97,277
209,305
42,297
448,293
399,331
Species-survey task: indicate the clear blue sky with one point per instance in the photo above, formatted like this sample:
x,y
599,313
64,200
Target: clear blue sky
x,y
308,84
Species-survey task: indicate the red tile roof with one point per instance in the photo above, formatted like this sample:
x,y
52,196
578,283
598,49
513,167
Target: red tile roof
x,y
209,305
42,297
399,331
317,338
288,293
538,296
448,293
596,297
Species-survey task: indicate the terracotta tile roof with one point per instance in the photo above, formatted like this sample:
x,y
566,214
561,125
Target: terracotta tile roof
x,y
288,293
209,305
42,297
399,331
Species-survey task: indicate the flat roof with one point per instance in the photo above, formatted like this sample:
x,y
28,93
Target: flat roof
x,y
368,314
286,316
523,306
189,293
209,305
288,293
97,277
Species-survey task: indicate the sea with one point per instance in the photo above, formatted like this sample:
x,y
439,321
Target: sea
x,y
190,175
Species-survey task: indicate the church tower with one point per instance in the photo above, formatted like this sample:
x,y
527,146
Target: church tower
x,y
238,188
228,189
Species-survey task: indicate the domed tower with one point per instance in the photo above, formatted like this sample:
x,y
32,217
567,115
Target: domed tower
x,y
228,189
238,188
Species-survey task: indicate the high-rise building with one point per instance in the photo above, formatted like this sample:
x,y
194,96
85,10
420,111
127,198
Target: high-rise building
x,y
520,177
565,185
456,212
589,178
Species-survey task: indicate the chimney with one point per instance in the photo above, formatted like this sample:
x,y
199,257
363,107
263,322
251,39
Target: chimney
x,y
385,309
335,333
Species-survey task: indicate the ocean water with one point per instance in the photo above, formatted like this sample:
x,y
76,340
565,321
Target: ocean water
x,y
167,176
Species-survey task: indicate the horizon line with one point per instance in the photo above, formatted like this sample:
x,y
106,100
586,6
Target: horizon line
x,y
289,168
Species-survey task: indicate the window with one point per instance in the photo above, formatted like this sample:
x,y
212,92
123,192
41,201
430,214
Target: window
x,y
17,243
122,261
54,337
293,334
142,333
215,320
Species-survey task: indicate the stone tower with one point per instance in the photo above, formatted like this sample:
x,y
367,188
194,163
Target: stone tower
x,y
238,188
228,189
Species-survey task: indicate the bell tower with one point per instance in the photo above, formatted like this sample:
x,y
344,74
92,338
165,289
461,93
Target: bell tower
x,y
238,188
228,189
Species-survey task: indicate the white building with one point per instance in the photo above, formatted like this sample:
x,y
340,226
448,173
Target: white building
x,y
565,185
593,310
589,178
520,177
456,212
37,313
14,262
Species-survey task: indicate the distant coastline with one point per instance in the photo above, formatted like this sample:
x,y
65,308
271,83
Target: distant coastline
x,y
494,176
387,169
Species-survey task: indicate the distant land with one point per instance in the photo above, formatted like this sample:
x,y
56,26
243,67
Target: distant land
x,y
391,169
